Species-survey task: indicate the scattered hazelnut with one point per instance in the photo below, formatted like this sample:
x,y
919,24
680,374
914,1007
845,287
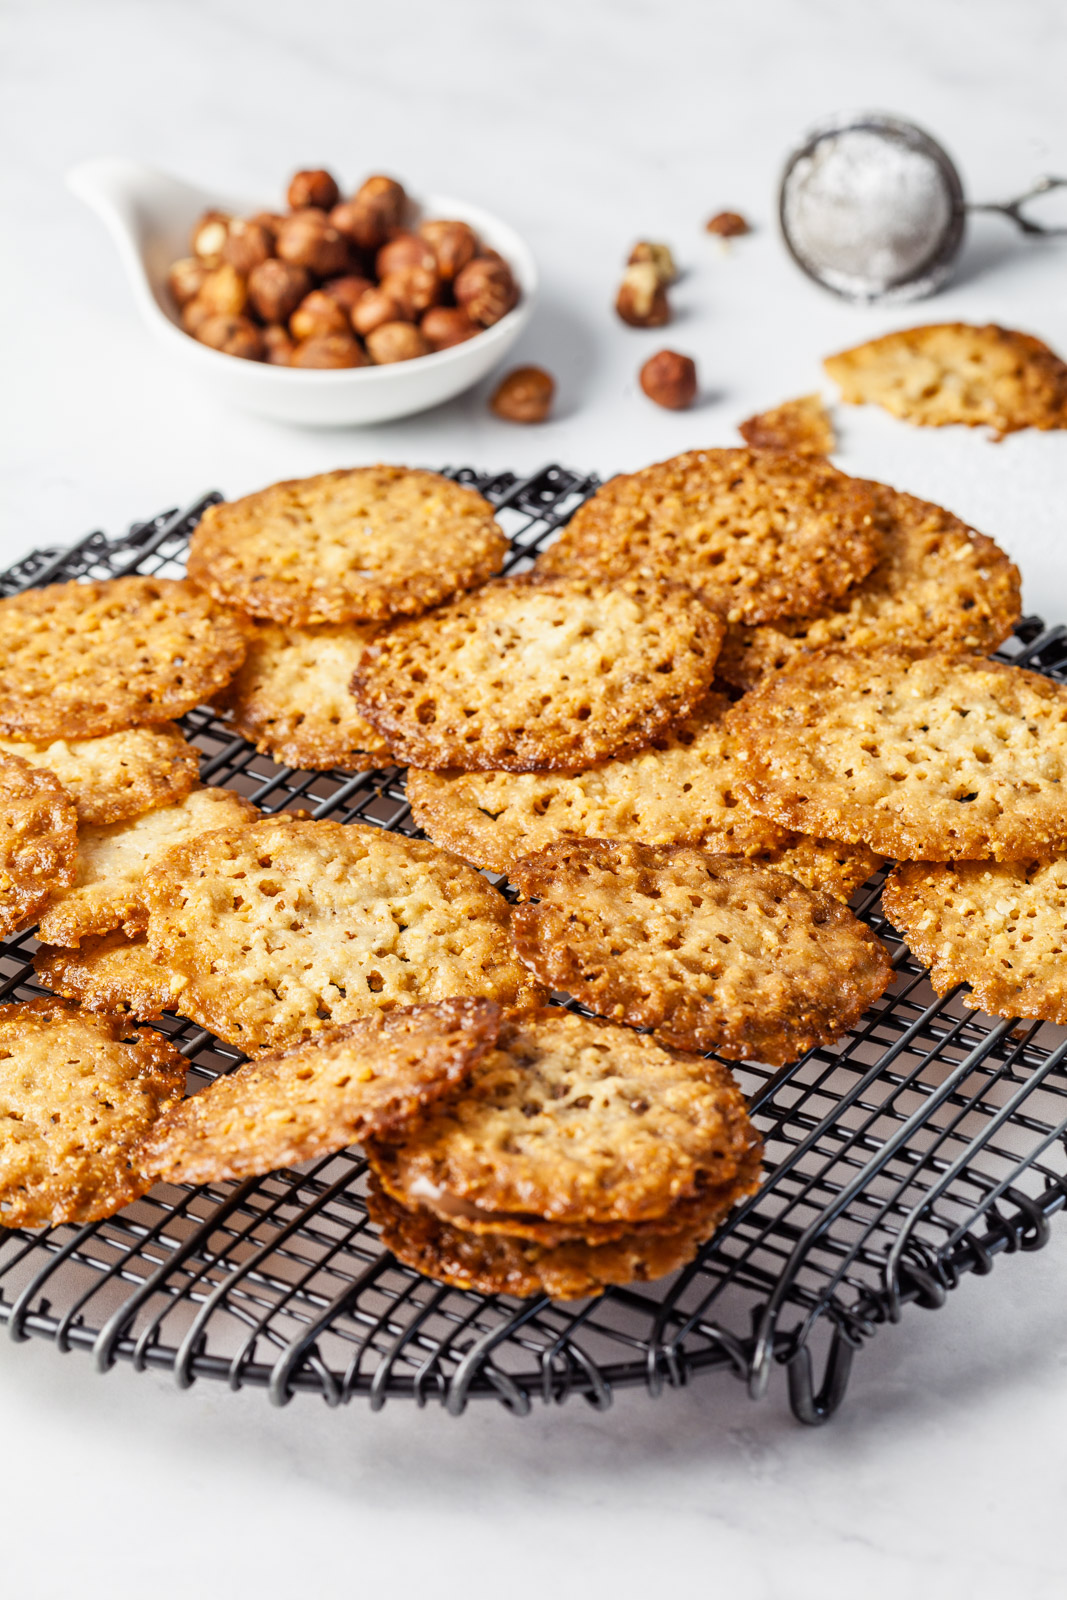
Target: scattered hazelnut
x,y
209,236
361,225
276,288
414,288
313,189
234,336
347,291
278,347
525,395
642,300
185,278
728,224
453,245
659,256
444,326
316,315
386,197
670,380
225,291
376,308
395,341
485,289
309,239
405,250
247,245
329,350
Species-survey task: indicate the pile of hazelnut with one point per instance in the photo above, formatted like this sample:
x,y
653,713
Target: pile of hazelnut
x,y
337,283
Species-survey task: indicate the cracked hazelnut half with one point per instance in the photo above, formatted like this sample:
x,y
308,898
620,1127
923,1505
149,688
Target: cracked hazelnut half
x,y
658,256
642,300
524,395
670,379
209,236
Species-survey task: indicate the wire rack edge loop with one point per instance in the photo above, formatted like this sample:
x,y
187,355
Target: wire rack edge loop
x,y
920,1149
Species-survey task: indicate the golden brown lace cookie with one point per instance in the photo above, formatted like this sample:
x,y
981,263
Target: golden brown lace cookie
x,y
710,951
79,660
926,758
119,775
999,926
292,701
368,1078
38,840
759,534
113,859
801,426
531,676
109,972
679,790
573,1122
939,585
281,927
954,372
498,1263
353,546
78,1092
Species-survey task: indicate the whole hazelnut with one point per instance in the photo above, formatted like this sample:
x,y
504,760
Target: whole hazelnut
x,y
641,300
670,380
185,278
225,291
195,313
727,224
414,288
247,244
444,326
406,250
347,291
659,256
525,395
276,288
278,347
313,188
453,245
318,314
376,308
395,341
234,336
361,225
209,236
329,350
486,289
386,197
271,220
309,239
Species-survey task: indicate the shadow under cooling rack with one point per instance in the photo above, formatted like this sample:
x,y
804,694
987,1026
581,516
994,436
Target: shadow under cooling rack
x,y
926,1144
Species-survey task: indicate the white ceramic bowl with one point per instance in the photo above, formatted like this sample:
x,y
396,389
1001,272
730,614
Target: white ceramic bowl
x,y
150,214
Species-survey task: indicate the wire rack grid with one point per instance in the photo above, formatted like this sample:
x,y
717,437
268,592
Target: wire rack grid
x,y
921,1148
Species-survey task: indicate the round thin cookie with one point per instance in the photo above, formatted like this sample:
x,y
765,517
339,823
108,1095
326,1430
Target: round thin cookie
x,y
119,775
38,840
368,1078
679,790
758,534
573,1122
712,952
109,972
939,585
78,1092
281,927
354,546
291,697
78,660
113,859
928,758
495,1263
1000,927
529,676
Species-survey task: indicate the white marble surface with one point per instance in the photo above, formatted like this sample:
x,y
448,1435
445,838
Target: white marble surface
x,y
586,126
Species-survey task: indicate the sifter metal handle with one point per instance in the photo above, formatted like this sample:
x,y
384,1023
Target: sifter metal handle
x,y
1013,208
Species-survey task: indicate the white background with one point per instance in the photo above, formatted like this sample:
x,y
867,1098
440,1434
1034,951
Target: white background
x,y
586,126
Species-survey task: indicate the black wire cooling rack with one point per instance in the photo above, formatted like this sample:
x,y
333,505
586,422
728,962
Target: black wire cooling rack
x,y
928,1143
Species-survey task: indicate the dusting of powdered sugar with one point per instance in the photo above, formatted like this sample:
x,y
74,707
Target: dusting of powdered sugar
x,y
867,212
